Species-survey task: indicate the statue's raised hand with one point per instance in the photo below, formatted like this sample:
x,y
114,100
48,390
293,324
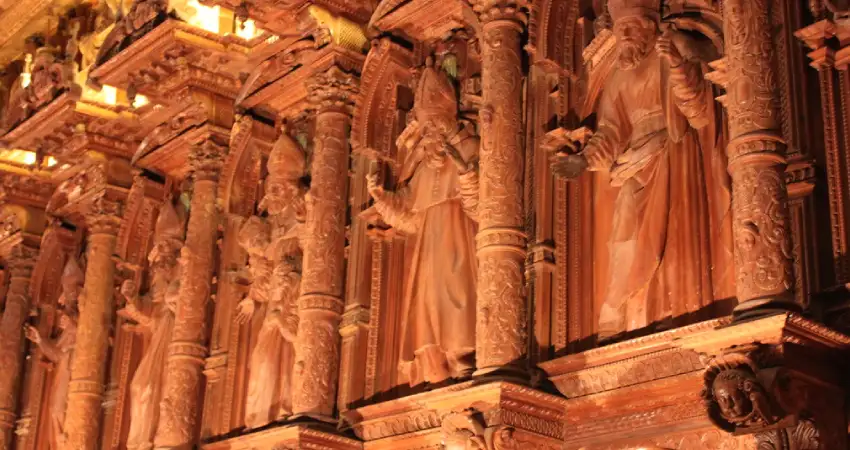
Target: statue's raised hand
x,y
410,136
245,311
375,190
462,165
32,334
568,165
668,50
129,291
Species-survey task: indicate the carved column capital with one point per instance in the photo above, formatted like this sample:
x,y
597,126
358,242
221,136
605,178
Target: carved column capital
x,y
501,10
207,157
333,90
103,216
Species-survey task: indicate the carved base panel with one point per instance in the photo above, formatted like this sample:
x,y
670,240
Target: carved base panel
x,y
287,437
482,415
651,392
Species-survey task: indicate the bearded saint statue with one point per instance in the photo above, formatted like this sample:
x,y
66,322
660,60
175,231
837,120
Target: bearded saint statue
x,y
147,382
60,351
668,227
435,205
274,274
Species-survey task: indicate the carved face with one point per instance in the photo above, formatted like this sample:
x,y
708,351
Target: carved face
x,y
635,37
730,392
279,194
66,321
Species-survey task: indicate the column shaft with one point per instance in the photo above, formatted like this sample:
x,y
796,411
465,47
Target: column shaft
x,y
763,250
88,366
502,322
12,344
179,407
320,305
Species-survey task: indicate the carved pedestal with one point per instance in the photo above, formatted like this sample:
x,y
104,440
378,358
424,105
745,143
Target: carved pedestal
x,y
96,305
180,407
20,260
321,304
502,324
763,253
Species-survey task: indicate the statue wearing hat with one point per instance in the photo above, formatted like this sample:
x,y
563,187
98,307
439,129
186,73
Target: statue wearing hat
x,y
60,351
274,277
158,324
661,206
435,206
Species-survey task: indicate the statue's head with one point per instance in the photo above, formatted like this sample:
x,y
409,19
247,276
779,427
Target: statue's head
x,y
254,235
286,166
436,103
635,28
72,283
731,391
167,241
66,320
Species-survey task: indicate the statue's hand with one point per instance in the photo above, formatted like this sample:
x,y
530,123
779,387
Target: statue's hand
x,y
375,190
462,166
245,311
667,49
568,165
410,136
32,334
128,290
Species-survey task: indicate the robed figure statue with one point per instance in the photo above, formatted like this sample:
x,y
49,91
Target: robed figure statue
x,y
274,278
435,205
60,351
157,326
668,227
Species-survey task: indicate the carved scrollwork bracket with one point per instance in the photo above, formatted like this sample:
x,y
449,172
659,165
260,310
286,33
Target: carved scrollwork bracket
x,y
334,89
207,158
467,430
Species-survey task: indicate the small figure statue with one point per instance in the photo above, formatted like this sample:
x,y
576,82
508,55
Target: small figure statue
x,y
148,379
274,266
669,244
436,204
60,351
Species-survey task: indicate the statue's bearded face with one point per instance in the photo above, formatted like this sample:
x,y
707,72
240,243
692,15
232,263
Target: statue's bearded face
x,y
635,36
278,195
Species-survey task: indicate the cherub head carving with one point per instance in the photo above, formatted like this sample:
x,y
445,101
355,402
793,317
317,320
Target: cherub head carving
x,y
734,395
635,28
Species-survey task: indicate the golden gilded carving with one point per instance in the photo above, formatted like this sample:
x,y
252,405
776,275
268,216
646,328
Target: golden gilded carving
x,y
436,205
179,412
154,317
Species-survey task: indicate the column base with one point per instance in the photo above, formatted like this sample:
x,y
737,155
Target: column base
x,y
510,373
764,307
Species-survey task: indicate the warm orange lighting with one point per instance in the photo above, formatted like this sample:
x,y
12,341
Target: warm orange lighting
x,y
205,17
26,76
140,101
16,156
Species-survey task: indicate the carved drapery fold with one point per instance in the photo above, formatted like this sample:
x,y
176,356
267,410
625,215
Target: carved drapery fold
x,y
763,251
20,261
502,324
320,304
180,409
96,318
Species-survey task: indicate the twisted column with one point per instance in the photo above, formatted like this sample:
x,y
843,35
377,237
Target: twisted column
x,y
179,408
88,365
20,262
320,305
763,250
502,323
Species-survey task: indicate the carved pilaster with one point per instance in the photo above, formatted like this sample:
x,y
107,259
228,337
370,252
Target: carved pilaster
x,y
502,324
320,305
20,260
763,251
180,410
96,318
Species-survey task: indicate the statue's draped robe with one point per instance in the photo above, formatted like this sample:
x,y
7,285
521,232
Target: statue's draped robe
x,y
436,209
669,242
270,371
146,386
61,357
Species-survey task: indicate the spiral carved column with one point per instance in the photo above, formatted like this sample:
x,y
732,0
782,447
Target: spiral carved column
x,y
179,407
320,304
20,263
763,250
88,366
502,322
